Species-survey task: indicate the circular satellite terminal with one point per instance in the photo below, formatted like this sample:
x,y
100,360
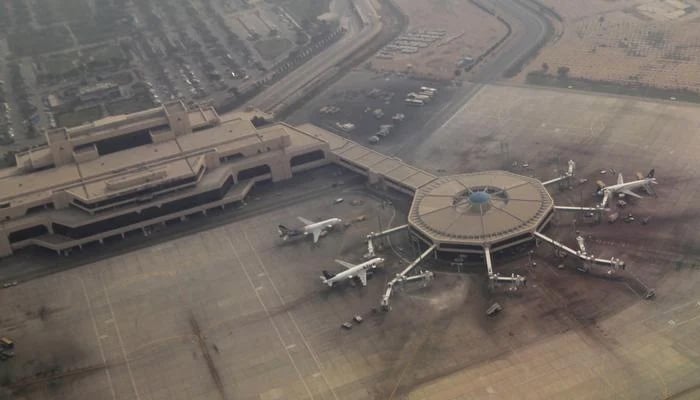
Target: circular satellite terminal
x,y
497,209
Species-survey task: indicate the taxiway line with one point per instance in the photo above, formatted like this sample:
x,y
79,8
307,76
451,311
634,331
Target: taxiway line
x,y
267,312
289,314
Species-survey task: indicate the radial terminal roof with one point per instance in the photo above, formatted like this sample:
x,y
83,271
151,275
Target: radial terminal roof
x,y
482,208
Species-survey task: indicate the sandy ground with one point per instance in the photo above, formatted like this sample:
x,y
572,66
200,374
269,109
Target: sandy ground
x,y
647,350
469,32
625,42
544,128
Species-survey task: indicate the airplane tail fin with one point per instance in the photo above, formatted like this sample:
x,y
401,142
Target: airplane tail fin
x,y
283,230
327,275
651,173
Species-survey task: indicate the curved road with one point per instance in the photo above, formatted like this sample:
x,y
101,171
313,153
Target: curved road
x,y
528,29
293,86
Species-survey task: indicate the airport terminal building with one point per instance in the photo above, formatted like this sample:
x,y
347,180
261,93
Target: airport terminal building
x,y
131,172
128,172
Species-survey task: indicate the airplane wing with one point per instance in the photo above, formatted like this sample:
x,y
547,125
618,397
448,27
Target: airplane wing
x,y
305,221
317,234
620,179
630,193
345,264
363,277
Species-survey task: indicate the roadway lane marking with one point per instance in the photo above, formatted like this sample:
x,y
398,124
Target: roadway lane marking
x,y
477,88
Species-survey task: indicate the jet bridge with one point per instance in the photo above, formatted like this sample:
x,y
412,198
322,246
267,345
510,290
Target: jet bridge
x,y
401,277
573,208
373,235
564,180
516,281
606,197
589,260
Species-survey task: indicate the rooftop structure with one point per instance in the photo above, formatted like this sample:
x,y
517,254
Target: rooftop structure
x,y
99,91
465,213
128,172
458,214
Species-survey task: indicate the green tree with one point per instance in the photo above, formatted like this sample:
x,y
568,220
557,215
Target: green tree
x,y
563,72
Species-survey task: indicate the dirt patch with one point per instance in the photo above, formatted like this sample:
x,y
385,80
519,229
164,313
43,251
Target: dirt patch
x,y
441,35
627,43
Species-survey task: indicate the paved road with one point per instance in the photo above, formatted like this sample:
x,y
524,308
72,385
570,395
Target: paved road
x,y
528,29
294,84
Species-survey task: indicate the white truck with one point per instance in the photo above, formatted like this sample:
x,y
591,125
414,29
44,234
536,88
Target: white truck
x,y
416,96
414,102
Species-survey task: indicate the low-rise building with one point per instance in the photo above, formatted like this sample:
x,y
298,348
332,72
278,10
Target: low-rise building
x,y
99,91
128,172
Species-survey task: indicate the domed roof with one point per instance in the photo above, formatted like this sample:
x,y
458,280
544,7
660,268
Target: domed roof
x,y
480,208
479,197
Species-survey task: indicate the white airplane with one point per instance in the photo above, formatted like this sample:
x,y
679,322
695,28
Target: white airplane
x,y
310,227
359,270
622,188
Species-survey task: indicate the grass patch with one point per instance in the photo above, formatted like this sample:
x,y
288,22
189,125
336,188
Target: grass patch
x,y
122,78
79,117
105,55
271,48
639,90
137,103
35,42
58,65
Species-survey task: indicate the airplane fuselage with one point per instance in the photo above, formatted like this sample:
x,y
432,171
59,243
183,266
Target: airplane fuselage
x,y
353,272
322,225
315,229
643,183
623,188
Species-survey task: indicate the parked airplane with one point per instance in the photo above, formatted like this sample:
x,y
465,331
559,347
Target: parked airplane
x,y
359,270
622,188
310,227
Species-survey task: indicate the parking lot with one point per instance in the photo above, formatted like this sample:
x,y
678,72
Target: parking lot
x,y
360,93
